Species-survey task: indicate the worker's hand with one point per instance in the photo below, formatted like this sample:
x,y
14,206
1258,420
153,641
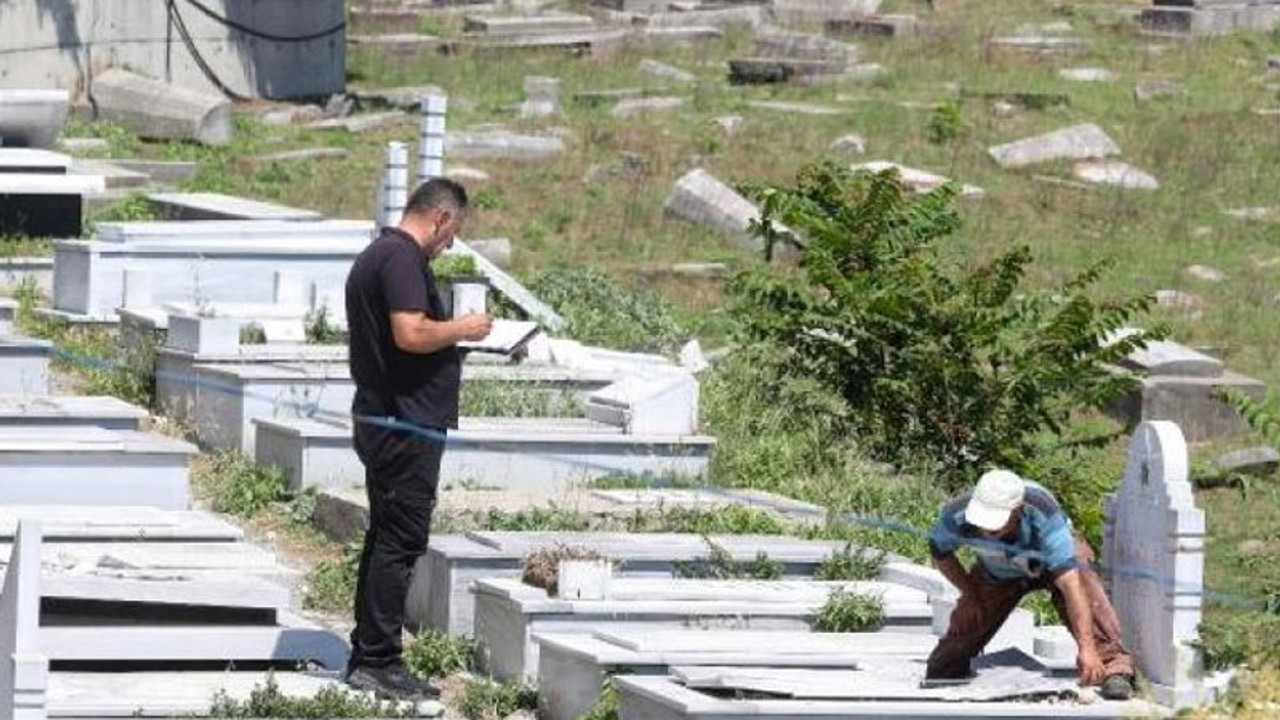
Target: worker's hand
x,y
1090,666
475,326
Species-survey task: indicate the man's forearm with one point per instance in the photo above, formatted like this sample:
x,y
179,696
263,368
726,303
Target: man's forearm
x,y
427,336
1079,614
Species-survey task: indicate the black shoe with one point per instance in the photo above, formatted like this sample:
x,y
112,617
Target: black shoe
x,y
393,682
1117,687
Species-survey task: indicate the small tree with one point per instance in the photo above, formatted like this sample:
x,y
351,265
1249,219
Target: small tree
x,y
937,361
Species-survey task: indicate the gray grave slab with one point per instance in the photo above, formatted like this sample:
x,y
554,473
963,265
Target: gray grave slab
x,y
663,71
679,35
114,176
24,673
1116,174
167,694
1078,142
699,197
90,277
367,122
800,11
318,153
1165,357
502,144
216,206
799,108
142,524
32,117
1041,43
775,42
162,111
48,465
632,107
188,587
83,557
440,599
31,160
82,144
1208,20
507,611
506,24
594,41
572,667
1088,74
256,231
664,698
536,454
24,366
720,17
202,643
1153,563
918,180
101,411
712,498
162,171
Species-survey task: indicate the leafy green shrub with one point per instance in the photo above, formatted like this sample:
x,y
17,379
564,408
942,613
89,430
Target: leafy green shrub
x,y
946,123
851,563
434,654
935,359
267,701
485,699
848,611
234,484
331,585
1229,639
600,312
1040,603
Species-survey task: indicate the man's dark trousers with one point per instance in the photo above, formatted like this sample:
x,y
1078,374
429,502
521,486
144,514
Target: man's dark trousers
x,y
402,470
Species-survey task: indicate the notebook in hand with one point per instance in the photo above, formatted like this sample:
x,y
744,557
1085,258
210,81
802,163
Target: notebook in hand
x,y
506,337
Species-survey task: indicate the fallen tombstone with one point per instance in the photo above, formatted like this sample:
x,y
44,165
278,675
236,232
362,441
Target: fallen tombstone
x,y
161,111
1040,44
530,24
855,144
1117,174
701,198
639,106
874,26
1156,88
1205,273
362,123
502,144
1078,142
773,42
808,11
217,206
1087,74
319,153
918,180
800,108
161,171
542,97
293,115
663,71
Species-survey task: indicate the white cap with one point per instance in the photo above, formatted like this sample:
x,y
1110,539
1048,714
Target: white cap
x,y
997,495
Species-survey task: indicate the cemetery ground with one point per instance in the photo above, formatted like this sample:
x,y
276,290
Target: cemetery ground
x,y
599,204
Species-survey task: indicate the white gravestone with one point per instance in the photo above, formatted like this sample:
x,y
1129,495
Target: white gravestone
x,y
1153,556
24,670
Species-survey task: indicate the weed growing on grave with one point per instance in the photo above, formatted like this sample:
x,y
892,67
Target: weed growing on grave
x,y
497,398
727,520
232,483
606,708
485,699
331,584
600,312
850,611
434,654
541,568
721,565
13,246
121,142
133,208
946,123
252,333
851,563
449,266
1254,694
266,700
93,356
320,328
534,519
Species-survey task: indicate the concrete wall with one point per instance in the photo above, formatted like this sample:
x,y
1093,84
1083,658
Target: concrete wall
x,y
62,43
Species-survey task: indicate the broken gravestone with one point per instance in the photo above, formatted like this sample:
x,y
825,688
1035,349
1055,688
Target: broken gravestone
x,y
1078,142
1118,174
700,198
1087,74
1153,562
638,106
160,111
663,71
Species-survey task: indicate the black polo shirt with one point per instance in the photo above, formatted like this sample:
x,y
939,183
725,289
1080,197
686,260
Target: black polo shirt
x,y
391,275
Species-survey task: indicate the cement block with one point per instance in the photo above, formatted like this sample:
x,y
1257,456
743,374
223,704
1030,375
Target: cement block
x,y
140,524
162,111
1116,174
665,404
27,160
100,411
47,465
521,24
216,206
1191,402
24,366
32,117
507,612
24,670
699,197
256,232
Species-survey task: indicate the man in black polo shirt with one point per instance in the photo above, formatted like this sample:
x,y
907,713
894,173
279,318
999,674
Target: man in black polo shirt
x,y
407,371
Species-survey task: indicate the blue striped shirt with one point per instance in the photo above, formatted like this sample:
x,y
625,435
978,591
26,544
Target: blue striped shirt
x,y
1044,542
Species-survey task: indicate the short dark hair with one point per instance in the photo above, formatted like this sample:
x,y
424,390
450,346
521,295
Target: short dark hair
x,y
437,192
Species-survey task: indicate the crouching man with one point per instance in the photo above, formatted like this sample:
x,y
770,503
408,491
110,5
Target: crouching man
x,y
1024,542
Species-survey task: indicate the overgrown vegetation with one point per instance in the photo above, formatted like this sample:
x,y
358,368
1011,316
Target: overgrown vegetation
x,y
720,564
266,700
851,563
497,398
485,699
331,584
321,330
232,483
435,654
936,360
601,312
850,611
